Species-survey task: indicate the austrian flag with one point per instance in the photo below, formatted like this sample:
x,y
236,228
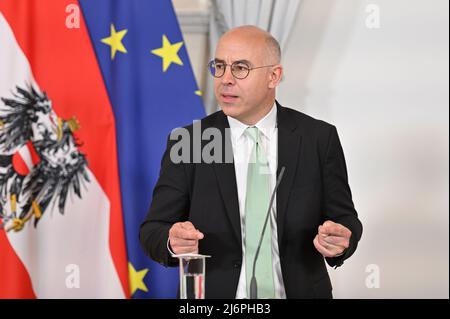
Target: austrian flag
x,y
61,223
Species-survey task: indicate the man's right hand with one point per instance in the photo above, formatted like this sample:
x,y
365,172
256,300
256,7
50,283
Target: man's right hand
x,y
184,237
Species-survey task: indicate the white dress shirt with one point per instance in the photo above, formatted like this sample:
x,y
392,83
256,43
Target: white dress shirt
x,y
242,147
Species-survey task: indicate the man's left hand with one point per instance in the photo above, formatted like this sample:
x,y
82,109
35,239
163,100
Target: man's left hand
x,y
332,239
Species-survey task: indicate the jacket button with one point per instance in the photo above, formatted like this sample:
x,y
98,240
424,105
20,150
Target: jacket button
x,y
237,264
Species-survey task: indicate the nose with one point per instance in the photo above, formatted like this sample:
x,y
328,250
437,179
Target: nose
x,y
228,78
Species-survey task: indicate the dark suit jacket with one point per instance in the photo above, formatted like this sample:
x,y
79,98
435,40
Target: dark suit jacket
x,y
314,189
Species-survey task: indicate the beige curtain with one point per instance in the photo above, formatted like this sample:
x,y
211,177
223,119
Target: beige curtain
x,y
275,16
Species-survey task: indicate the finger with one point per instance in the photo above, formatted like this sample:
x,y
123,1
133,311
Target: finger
x,y
180,232
324,229
325,244
337,241
179,242
325,252
331,228
327,228
333,250
187,225
185,250
188,234
200,235
328,223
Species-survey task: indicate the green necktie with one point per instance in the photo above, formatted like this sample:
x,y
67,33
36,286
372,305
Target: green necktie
x,y
256,205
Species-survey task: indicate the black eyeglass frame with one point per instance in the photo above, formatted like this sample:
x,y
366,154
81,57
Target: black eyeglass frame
x,y
212,62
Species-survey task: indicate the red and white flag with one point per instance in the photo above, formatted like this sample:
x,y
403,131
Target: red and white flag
x,y
61,233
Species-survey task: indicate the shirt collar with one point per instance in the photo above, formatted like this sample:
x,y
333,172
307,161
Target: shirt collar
x,y
266,125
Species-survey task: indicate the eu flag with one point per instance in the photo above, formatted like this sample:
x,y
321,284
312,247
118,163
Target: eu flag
x,y
147,74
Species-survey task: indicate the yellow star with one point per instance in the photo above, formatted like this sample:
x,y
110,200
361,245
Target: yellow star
x,y
137,279
168,52
115,41
198,92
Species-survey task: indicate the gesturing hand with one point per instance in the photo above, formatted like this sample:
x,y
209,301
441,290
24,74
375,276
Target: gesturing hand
x,y
184,237
332,239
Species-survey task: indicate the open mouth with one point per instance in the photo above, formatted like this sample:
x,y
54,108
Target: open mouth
x,y
228,98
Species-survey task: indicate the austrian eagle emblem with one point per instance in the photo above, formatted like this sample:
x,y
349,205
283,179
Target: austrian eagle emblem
x,y
40,164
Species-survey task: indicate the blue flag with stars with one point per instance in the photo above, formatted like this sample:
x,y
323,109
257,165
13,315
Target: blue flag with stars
x,y
149,80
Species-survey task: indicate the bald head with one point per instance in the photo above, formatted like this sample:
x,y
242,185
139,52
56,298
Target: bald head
x,y
262,40
247,62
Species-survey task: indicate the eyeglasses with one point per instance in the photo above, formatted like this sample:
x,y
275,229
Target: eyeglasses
x,y
240,70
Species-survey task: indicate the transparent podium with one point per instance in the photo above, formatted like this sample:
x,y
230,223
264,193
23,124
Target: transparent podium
x,y
192,275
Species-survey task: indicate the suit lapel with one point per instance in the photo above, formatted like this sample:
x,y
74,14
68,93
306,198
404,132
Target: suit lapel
x,y
226,179
289,142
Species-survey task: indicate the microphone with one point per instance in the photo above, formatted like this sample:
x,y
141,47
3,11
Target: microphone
x,y
253,283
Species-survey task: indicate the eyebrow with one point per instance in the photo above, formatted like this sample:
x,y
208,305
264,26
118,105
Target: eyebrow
x,y
237,61
244,61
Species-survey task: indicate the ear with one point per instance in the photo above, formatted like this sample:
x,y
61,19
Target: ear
x,y
275,76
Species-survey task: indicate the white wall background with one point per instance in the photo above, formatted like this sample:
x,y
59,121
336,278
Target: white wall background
x,y
386,90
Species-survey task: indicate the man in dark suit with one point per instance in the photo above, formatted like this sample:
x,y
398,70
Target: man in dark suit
x,y
218,207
